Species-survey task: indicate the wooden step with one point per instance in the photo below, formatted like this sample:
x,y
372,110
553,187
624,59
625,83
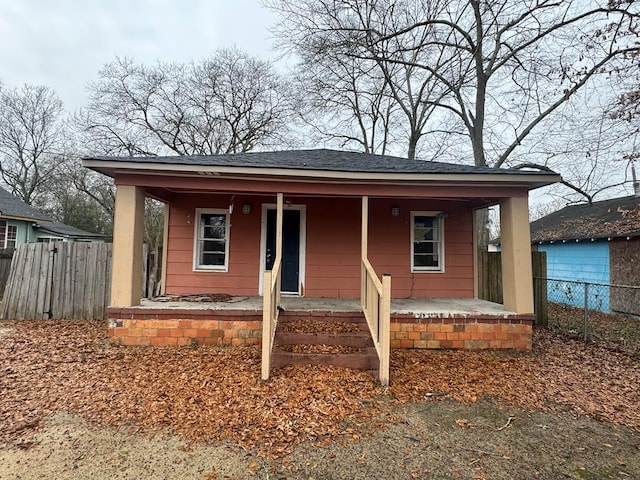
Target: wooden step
x,y
368,360
357,339
313,329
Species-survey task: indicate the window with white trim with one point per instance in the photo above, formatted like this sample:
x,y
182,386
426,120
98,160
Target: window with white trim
x,y
211,250
8,235
427,242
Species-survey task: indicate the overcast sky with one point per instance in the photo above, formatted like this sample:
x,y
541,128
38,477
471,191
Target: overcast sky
x,y
63,43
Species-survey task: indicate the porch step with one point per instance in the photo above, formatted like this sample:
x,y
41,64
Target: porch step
x,y
358,361
356,340
338,339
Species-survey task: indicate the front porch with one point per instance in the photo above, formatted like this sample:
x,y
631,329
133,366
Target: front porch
x,y
460,323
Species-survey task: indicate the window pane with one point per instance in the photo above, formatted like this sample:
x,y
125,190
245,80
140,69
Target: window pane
x,y
212,225
213,232
213,259
424,247
425,260
212,246
424,234
424,221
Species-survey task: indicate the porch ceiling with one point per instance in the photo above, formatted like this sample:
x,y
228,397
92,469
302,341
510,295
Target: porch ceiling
x,y
477,193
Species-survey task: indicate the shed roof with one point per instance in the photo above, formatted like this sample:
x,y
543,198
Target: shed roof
x,y
13,207
613,218
316,163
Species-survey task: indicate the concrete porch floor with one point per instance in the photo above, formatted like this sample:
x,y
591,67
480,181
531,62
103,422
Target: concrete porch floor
x,y
419,308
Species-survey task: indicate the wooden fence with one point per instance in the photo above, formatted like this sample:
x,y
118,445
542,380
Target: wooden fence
x,y
490,285
5,266
59,280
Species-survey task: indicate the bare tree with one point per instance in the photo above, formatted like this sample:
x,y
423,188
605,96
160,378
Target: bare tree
x,y
32,135
342,103
230,102
497,68
371,99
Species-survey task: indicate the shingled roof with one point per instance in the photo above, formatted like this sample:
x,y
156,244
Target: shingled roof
x,y
13,207
316,160
613,218
67,231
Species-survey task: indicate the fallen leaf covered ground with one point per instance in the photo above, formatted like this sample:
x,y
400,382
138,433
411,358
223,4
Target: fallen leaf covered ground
x,y
611,330
211,394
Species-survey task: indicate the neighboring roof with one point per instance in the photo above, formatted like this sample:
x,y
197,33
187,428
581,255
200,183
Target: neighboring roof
x,y
616,217
313,163
13,207
67,231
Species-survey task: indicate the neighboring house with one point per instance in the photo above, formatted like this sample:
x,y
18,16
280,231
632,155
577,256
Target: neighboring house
x,y
18,221
59,232
411,219
21,223
597,243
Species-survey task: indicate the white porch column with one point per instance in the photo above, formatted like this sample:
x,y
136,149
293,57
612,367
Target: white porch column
x,y
364,243
128,232
517,276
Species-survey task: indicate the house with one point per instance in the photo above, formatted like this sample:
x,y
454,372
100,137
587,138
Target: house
x,y
21,223
597,243
17,221
59,232
394,237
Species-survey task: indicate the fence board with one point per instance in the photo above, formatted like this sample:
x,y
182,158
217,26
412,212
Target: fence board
x,y
490,284
65,280
541,308
6,255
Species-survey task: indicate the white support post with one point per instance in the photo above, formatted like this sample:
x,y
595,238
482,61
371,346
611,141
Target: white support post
x,y
364,242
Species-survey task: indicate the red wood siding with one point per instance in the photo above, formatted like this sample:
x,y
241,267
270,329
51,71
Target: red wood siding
x,y
332,247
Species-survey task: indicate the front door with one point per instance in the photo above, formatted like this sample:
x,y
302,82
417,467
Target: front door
x,y
290,248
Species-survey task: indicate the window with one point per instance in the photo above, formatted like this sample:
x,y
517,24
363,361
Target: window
x,y
8,235
12,234
427,245
211,240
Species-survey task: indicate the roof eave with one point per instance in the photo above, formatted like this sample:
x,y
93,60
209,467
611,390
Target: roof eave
x,y
111,168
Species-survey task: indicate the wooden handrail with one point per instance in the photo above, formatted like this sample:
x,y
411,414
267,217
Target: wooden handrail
x,y
271,295
376,306
270,302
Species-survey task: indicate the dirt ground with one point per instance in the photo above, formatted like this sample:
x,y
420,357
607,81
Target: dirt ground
x,y
434,440
575,417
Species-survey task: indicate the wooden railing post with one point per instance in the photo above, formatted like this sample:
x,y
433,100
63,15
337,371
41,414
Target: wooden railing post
x,y
266,325
385,326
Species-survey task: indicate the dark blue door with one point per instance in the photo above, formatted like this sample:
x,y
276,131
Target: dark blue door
x,y
290,248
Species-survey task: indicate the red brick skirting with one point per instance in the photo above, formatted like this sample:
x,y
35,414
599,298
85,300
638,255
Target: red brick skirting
x,y
468,333
170,326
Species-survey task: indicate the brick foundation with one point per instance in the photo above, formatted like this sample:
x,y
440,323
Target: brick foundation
x,y
155,326
467,333
140,326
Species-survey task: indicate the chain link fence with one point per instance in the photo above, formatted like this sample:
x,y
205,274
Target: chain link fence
x,y
599,313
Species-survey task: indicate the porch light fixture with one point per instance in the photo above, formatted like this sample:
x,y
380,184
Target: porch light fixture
x,y
395,211
246,208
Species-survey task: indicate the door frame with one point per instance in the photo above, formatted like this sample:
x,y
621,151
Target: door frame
x,y
302,247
